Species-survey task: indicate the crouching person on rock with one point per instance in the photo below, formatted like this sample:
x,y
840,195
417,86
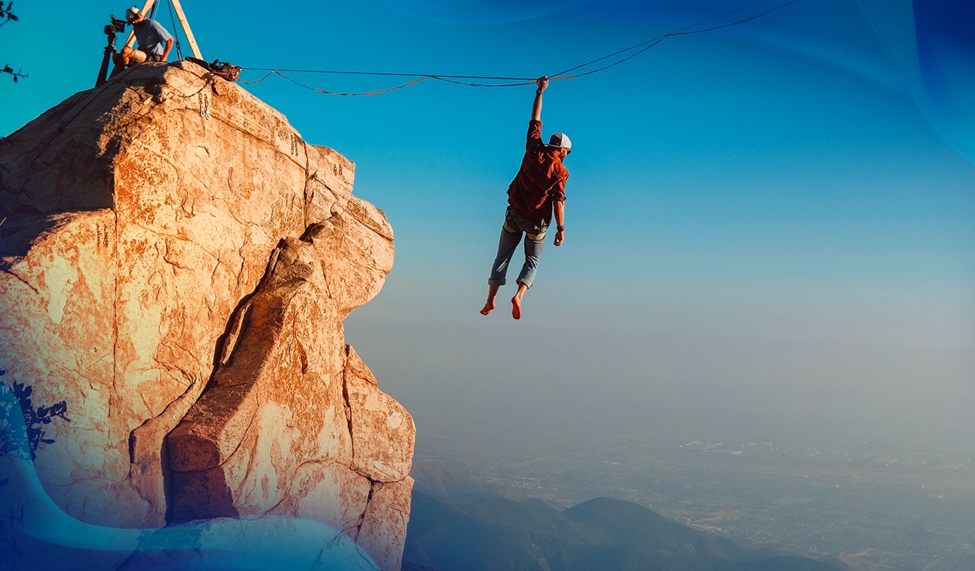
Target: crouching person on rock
x,y
154,42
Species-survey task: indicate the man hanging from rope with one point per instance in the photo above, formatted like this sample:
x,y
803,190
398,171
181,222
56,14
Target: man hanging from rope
x,y
154,41
537,190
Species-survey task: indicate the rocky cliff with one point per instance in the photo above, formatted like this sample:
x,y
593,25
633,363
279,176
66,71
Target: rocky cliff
x,y
176,265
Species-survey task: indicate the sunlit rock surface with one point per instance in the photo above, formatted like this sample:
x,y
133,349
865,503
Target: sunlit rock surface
x,y
176,265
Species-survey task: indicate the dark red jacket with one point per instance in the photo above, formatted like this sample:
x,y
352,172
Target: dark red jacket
x,y
541,180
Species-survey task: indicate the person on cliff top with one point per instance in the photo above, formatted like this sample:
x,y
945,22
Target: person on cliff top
x,y
537,190
154,41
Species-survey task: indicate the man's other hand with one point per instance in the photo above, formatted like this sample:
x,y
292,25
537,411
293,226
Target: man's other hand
x,y
559,238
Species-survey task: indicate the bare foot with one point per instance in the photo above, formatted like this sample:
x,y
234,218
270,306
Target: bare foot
x,y
488,307
516,307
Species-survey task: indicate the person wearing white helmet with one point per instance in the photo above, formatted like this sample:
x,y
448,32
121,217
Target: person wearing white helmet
x,y
537,192
154,41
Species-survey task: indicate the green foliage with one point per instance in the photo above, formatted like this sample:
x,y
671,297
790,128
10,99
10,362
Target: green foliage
x,y
19,444
7,16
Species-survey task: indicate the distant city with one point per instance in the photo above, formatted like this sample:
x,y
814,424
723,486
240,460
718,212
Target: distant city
x,y
864,503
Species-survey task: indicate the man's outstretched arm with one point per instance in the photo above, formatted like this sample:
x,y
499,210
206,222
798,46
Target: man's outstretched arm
x,y
542,83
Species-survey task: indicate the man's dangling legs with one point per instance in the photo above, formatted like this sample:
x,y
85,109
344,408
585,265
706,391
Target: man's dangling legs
x,y
506,248
516,301
490,305
533,252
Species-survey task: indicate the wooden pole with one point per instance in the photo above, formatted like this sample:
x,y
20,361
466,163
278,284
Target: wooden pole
x,y
186,29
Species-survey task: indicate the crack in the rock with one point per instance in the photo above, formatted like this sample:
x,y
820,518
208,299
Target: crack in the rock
x,y
250,459
266,142
272,265
366,253
206,150
239,444
302,354
99,477
191,213
238,275
92,364
284,497
115,311
371,229
170,407
20,279
175,265
170,342
362,518
229,210
145,403
347,400
165,158
238,324
328,285
213,274
360,214
177,236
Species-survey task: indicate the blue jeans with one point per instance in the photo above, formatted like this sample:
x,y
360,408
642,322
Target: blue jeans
x,y
514,226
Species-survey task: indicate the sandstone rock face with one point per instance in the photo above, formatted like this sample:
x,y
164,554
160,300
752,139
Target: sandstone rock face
x,y
176,265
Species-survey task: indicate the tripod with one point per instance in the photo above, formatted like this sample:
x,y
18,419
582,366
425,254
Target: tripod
x,y
117,25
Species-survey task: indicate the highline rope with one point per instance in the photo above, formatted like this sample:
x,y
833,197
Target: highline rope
x,y
518,81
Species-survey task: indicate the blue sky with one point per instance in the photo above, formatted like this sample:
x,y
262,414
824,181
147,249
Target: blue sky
x,y
785,203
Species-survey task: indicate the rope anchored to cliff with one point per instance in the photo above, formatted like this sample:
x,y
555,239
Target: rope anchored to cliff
x,y
495,81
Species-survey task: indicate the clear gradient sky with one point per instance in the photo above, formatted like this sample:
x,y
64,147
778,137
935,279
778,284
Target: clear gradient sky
x,y
780,212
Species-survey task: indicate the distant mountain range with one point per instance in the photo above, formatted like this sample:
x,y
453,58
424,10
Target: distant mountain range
x,y
457,525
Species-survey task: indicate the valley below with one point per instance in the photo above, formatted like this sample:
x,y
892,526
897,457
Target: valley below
x,y
860,503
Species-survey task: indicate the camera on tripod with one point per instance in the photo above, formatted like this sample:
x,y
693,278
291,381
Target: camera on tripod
x,y
117,25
